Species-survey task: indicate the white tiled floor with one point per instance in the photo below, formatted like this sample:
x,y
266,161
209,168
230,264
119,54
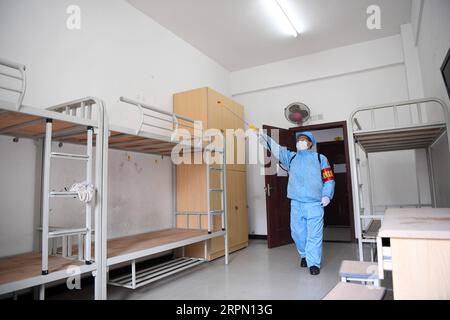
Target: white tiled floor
x,y
337,234
253,273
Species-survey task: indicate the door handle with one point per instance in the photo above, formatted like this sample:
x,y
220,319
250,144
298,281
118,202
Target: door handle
x,y
268,188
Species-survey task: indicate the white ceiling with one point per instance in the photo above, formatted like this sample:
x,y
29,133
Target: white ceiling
x,y
239,34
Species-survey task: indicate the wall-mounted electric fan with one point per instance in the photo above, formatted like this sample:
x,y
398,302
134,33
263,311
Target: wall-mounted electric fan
x,y
297,113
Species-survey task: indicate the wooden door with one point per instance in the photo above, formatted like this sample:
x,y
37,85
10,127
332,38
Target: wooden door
x,y
241,207
278,206
237,219
337,212
232,213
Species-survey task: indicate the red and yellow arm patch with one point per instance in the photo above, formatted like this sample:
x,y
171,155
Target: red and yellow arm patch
x,y
327,174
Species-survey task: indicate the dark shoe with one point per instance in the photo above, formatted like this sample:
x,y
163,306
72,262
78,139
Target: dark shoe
x,y
314,270
303,263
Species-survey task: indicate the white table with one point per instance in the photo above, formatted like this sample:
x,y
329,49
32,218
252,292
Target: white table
x,y
418,254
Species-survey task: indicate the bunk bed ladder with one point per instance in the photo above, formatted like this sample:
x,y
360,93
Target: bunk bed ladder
x,y
86,231
221,168
222,189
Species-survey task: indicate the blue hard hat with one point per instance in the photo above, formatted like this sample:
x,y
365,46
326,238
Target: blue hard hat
x,y
307,134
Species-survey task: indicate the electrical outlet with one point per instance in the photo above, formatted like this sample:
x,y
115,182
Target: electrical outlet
x,y
316,117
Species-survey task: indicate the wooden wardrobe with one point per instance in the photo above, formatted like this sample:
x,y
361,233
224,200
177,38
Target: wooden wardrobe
x,y
206,105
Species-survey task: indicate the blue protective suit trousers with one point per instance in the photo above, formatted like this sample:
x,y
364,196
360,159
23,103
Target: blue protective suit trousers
x,y
307,230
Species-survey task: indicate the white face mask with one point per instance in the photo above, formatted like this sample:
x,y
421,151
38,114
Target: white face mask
x,y
302,145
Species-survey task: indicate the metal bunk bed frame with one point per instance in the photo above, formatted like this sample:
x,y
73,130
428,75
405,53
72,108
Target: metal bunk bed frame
x,y
26,122
79,112
421,135
163,147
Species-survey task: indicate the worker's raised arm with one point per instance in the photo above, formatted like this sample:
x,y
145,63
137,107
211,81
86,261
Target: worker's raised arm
x,y
280,152
327,178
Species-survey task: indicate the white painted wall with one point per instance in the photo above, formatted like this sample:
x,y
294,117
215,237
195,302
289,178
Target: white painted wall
x,y
322,65
394,178
18,181
365,74
433,42
118,51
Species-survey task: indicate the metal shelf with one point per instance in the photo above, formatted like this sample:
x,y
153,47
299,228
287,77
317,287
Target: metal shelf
x,y
146,276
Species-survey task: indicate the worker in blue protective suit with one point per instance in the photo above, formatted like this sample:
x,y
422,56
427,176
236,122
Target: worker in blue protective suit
x,y
310,188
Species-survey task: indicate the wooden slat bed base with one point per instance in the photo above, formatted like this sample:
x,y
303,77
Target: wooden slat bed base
x,y
399,139
134,143
34,130
28,265
120,246
69,132
9,119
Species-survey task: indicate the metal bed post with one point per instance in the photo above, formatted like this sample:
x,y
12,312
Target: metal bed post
x,y
419,113
174,196
104,241
358,194
80,247
208,187
224,194
369,184
45,203
133,274
431,176
69,246
370,190
101,170
360,208
354,165
98,214
64,246
88,243
419,197
223,198
42,292
46,195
